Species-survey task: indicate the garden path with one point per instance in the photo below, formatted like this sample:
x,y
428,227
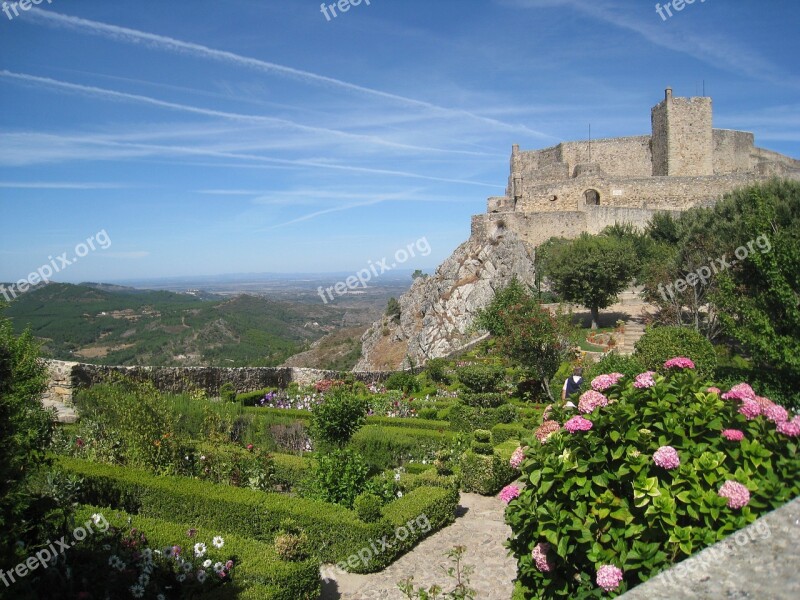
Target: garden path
x,y
479,526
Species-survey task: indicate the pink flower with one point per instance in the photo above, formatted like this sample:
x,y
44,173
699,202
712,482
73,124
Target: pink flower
x,y
591,400
578,423
541,558
734,435
546,413
517,458
645,380
508,493
737,495
775,413
667,457
609,577
545,430
790,428
679,362
750,409
603,382
714,390
740,391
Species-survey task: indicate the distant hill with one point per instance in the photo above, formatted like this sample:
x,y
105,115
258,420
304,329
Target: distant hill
x,y
109,324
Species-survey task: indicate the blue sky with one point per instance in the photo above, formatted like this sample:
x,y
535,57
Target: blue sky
x,y
209,137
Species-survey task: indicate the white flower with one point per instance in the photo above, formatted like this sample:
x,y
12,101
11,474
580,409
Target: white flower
x,y
397,476
219,567
218,542
137,591
201,576
106,547
399,494
206,563
187,566
161,597
202,457
112,560
144,579
181,578
96,518
199,549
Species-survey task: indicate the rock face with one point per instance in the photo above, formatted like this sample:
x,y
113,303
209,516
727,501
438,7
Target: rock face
x,y
436,313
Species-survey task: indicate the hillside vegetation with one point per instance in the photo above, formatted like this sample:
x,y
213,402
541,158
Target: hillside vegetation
x,y
125,326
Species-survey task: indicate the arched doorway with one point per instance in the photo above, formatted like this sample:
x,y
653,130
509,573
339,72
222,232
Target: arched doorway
x,y
592,197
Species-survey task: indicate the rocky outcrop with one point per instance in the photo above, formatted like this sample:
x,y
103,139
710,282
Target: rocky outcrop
x,y
437,312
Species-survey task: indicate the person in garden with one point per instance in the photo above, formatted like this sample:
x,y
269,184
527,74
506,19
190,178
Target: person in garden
x,y
572,384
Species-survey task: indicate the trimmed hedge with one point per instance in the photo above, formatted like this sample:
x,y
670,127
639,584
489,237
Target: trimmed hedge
x,y
334,531
468,418
389,447
260,573
290,469
509,431
411,423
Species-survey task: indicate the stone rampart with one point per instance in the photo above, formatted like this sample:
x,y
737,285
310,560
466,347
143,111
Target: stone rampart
x,y
67,377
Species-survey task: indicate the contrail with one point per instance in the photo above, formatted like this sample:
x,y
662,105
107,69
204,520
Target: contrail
x,y
96,91
135,36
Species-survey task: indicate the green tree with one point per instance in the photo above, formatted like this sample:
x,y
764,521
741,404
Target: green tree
x,y
25,430
338,417
758,297
591,270
528,334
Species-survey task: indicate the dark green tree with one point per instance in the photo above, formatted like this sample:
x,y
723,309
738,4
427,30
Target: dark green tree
x,y
758,297
25,431
591,270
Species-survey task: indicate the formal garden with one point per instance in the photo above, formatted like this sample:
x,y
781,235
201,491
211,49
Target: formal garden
x,y
250,493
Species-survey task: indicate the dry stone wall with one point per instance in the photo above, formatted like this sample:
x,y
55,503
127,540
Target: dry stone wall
x,y
67,377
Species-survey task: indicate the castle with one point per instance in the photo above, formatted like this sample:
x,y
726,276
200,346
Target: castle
x,y
585,186
562,191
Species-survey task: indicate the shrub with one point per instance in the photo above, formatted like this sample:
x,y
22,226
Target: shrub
x,y
467,418
513,431
481,378
388,447
292,547
227,392
368,507
661,343
436,368
428,413
404,381
483,399
637,484
484,473
334,421
337,477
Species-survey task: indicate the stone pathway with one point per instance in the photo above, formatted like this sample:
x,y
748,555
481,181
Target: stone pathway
x,y
479,527
634,329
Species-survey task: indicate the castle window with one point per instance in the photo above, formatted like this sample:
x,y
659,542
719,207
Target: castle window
x,y
592,197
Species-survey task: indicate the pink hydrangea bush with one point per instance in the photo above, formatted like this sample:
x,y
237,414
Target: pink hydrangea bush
x,y
603,382
508,493
667,457
591,400
677,461
516,459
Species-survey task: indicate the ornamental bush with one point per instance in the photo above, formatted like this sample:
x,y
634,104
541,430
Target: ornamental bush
x,y
660,343
665,468
481,378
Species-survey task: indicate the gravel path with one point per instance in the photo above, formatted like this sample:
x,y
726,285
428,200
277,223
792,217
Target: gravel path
x,y
479,526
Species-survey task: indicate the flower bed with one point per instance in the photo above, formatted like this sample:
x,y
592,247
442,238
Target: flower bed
x,y
335,532
658,469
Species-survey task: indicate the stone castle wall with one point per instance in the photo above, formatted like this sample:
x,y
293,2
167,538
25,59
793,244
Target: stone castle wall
x,y
682,137
67,377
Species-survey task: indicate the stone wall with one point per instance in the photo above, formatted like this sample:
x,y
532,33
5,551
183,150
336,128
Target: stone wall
x,y
732,151
67,377
682,133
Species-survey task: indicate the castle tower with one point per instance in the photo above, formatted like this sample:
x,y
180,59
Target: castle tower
x,y
682,137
